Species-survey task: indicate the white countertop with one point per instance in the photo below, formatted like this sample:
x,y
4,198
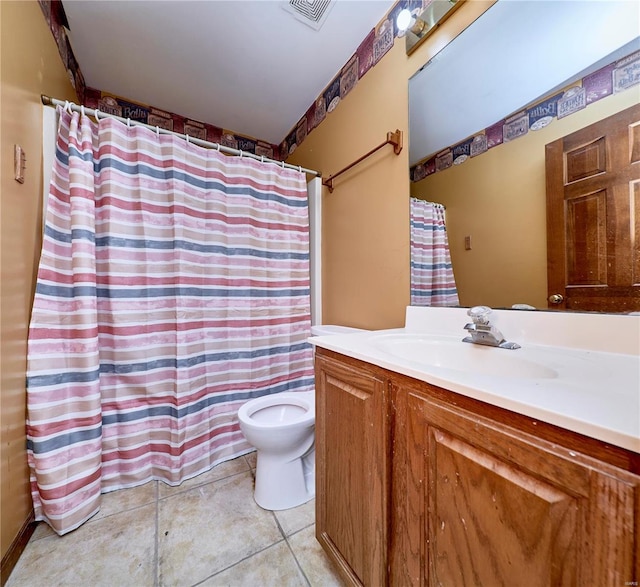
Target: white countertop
x,y
581,386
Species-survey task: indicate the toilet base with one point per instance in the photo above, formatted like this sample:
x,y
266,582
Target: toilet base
x,y
284,485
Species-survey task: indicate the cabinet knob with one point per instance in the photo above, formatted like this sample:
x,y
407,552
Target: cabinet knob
x,y
556,298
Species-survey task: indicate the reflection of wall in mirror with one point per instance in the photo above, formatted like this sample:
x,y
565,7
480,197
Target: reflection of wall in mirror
x,y
499,200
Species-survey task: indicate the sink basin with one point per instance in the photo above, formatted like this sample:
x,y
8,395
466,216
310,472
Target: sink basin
x,y
453,354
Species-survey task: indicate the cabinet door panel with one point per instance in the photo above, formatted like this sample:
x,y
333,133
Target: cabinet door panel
x,y
490,522
351,471
613,531
498,506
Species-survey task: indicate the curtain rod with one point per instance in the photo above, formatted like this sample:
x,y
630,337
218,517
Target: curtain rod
x,y
47,101
428,201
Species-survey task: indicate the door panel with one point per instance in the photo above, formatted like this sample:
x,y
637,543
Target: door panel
x,y
587,240
586,161
635,202
593,216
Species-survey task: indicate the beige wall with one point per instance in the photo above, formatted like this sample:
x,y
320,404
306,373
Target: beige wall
x,y
365,220
499,199
30,65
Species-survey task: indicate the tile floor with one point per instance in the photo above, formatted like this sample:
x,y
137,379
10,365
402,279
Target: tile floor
x,y
207,532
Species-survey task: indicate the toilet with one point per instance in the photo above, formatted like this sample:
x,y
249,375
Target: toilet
x,y
281,427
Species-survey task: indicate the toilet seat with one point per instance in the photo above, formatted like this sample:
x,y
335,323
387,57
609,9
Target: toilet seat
x,y
279,409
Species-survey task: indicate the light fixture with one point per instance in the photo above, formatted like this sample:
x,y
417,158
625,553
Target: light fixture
x,y
408,21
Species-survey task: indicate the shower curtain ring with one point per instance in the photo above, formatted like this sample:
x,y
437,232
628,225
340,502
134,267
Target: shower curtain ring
x,y
261,158
218,147
300,168
187,137
241,153
157,131
82,109
67,106
283,165
129,122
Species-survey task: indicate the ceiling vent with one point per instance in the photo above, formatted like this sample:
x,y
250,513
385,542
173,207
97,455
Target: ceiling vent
x,y
313,13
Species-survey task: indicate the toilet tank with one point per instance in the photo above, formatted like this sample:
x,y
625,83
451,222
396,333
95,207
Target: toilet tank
x,y
326,329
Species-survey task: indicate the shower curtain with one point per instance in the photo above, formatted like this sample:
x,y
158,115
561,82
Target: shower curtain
x,y
173,287
432,280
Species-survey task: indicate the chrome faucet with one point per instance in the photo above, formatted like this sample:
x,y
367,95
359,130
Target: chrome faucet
x,y
482,332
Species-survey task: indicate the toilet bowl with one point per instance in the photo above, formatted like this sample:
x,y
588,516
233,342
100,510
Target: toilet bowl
x,y
281,427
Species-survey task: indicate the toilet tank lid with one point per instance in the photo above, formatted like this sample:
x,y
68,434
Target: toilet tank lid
x,y
326,329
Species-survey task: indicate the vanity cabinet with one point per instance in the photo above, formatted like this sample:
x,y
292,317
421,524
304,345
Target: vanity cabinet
x,y
475,494
352,470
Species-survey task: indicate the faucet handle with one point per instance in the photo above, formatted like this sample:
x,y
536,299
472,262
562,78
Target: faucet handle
x,y
479,314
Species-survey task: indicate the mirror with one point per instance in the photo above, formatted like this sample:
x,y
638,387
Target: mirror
x,y
480,114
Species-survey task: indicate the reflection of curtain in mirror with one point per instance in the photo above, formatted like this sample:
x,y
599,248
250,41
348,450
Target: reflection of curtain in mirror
x,y
432,280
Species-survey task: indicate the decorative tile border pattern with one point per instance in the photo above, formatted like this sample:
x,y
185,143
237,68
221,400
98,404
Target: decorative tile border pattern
x,y
613,78
57,20
111,104
372,49
58,25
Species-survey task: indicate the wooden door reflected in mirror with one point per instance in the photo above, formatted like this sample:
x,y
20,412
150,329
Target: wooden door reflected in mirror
x,y
593,216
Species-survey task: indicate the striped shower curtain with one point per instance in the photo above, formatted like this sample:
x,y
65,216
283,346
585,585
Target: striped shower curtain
x,y
432,280
173,287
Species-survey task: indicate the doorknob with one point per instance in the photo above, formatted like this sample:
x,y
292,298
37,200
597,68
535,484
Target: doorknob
x,y
556,299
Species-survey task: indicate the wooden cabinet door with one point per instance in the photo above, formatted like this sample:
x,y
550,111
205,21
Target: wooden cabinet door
x,y
351,471
593,216
494,506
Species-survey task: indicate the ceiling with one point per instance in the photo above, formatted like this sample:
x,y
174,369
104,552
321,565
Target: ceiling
x,y
248,66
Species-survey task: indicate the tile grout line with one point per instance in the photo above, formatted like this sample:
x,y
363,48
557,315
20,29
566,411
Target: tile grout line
x,y
282,532
295,558
293,554
156,553
238,562
185,490
178,491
